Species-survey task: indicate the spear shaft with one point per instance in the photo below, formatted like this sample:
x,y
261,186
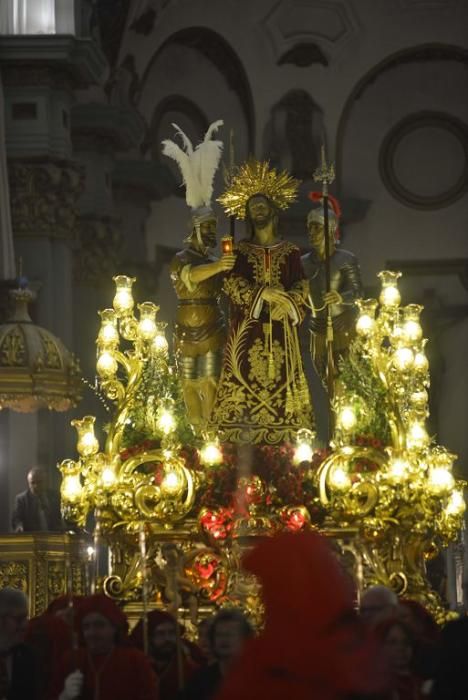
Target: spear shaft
x,y
232,218
144,586
326,174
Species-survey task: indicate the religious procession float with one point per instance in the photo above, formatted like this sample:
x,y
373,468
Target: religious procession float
x,y
211,440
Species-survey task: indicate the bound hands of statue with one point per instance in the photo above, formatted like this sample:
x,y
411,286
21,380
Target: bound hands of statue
x,y
332,297
280,303
226,262
73,686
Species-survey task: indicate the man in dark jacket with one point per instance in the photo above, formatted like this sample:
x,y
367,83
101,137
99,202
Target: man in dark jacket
x,y
17,673
37,509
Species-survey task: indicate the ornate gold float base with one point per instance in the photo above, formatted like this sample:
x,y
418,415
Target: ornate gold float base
x,y
184,573
44,566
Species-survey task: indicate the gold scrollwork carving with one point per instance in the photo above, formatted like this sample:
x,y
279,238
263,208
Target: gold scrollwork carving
x,y
51,354
14,574
56,583
13,349
44,199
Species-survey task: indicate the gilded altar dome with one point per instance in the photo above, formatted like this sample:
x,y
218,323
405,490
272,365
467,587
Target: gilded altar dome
x,y
36,369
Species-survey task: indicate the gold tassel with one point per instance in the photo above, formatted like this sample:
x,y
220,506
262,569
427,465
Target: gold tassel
x,y
289,408
304,392
271,366
271,359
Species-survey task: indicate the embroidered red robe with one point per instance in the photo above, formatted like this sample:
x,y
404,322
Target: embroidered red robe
x,y
262,394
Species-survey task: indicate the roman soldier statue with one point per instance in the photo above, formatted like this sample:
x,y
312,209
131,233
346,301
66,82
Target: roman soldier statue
x,y
197,278
345,286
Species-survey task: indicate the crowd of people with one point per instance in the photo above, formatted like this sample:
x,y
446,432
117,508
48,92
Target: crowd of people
x,y
315,643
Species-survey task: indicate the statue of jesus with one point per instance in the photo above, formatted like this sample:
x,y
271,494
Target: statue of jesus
x,y
262,395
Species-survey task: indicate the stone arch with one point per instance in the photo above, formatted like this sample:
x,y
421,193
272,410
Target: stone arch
x,y
220,53
177,104
425,52
294,134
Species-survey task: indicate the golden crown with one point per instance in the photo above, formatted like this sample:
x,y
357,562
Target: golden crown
x,y
256,177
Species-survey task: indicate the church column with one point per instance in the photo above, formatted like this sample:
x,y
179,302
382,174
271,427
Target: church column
x,y
40,76
99,132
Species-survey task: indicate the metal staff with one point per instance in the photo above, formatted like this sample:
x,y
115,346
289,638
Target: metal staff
x,y
232,218
96,543
144,585
71,607
325,174
227,242
173,565
170,559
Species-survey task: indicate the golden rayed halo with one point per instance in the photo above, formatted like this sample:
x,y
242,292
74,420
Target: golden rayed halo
x,y
256,177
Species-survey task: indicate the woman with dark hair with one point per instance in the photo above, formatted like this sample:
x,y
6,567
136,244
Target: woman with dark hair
x,y
104,667
398,648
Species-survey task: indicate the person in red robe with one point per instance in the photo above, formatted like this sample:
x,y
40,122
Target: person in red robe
x,y
168,652
103,667
49,636
313,646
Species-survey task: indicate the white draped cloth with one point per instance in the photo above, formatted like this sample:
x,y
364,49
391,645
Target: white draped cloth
x,y
7,254
37,17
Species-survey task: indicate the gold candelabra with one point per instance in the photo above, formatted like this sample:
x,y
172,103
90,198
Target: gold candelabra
x,y
113,481
386,476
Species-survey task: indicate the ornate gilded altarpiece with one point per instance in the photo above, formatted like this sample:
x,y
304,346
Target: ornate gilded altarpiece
x,y
43,565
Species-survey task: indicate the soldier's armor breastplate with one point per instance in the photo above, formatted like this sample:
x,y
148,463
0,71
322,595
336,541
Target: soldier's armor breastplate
x,y
200,325
344,278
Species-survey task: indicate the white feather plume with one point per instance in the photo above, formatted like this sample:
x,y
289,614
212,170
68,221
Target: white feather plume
x,y
207,158
185,163
185,139
197,166
213,128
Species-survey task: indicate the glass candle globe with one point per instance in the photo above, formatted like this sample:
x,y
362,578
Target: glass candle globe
x,y
123,300
411,327
366,319
108,333
106,365
389,296
87,443
147,323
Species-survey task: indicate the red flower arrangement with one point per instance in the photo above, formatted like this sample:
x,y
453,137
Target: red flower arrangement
x,y
294,519
249,479
135,450
369,441
363,466
217,524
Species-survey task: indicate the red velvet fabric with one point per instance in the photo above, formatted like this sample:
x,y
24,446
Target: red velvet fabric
x,y
48,637
123,675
